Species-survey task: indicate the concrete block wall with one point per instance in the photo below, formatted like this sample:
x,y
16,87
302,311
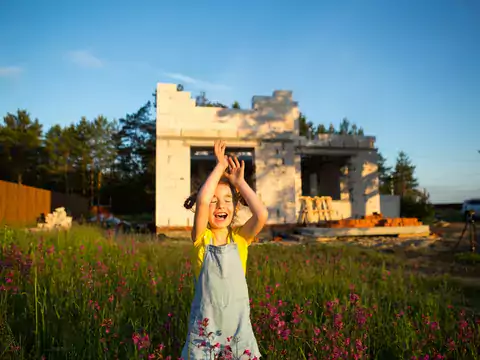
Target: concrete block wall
x,y
269,114
342,209
390,206
172,183
181,124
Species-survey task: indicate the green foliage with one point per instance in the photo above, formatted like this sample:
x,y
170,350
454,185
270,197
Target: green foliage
x,y
404,175
384,175
202,100
20,143
417,205
467,258
308,129
305,127
344,128
321,129
101,159
401,180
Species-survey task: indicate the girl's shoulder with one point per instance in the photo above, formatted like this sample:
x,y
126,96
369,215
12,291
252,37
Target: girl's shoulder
x,y
239,238
203,238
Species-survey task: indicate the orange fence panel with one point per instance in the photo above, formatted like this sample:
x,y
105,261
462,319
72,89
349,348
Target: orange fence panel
x,y
21,205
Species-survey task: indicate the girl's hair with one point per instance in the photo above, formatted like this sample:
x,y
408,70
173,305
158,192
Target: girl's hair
x,y
237,198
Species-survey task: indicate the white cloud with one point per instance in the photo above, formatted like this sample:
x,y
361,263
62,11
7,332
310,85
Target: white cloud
x,y
84,58
7,71
197,83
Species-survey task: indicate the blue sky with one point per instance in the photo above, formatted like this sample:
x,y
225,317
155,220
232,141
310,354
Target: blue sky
x,y
407,71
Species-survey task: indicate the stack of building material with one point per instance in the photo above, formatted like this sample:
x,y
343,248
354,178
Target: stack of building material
x,y
374,220
56,220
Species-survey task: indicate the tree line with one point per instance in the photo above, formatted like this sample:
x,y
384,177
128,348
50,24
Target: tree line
x,y
113,161
107,161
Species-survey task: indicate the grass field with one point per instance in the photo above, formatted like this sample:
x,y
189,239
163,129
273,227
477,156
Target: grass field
x,y
85,295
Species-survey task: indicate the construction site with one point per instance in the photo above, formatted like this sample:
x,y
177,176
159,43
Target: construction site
x,y
325,186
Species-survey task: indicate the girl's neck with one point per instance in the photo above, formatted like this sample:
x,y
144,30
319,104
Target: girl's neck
x,y
220,236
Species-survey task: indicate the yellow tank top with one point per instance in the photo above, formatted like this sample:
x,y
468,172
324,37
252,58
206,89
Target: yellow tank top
x,y
204,239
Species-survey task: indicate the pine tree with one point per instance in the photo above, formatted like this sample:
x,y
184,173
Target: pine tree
x,y
384,175
404,175
20,144
344,127
306,127
321,129
331,129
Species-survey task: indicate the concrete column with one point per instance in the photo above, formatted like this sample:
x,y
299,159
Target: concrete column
x,y
344,192
276,181
355,186
363,177
297,169
371,183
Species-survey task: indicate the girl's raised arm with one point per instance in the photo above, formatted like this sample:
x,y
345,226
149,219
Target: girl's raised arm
x,y
259,212
207,191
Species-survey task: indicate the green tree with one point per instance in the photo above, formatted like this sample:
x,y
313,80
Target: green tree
x,y
60,146
384,175
202,100
103,152
131,139
305,127
83,134
344,128
417,204
236,105
20,144
353,130
134,180
331,129
404,175
321,129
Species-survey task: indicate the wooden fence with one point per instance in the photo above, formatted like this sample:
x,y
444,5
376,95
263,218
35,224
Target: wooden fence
x,y
20,204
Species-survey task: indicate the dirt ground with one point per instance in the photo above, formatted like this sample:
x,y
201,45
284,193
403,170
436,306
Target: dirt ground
x,y
442,258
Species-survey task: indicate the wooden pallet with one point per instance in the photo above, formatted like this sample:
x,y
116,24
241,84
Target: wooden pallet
x,y
324,208
316,209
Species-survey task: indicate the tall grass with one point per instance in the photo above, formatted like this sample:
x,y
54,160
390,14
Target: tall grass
x,y
85,295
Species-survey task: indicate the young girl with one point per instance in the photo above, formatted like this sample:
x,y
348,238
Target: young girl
x,y
221,300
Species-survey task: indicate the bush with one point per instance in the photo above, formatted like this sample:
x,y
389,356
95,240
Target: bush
x,y
417,205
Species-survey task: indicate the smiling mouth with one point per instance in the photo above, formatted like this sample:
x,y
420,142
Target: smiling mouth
x,y
221,216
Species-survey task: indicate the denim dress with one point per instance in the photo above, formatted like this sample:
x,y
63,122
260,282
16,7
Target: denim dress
x,y
220,313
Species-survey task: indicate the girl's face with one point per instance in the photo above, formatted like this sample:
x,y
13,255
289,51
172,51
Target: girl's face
x,y
222,207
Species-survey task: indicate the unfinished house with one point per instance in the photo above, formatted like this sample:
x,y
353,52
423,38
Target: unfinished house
x,y
282,166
